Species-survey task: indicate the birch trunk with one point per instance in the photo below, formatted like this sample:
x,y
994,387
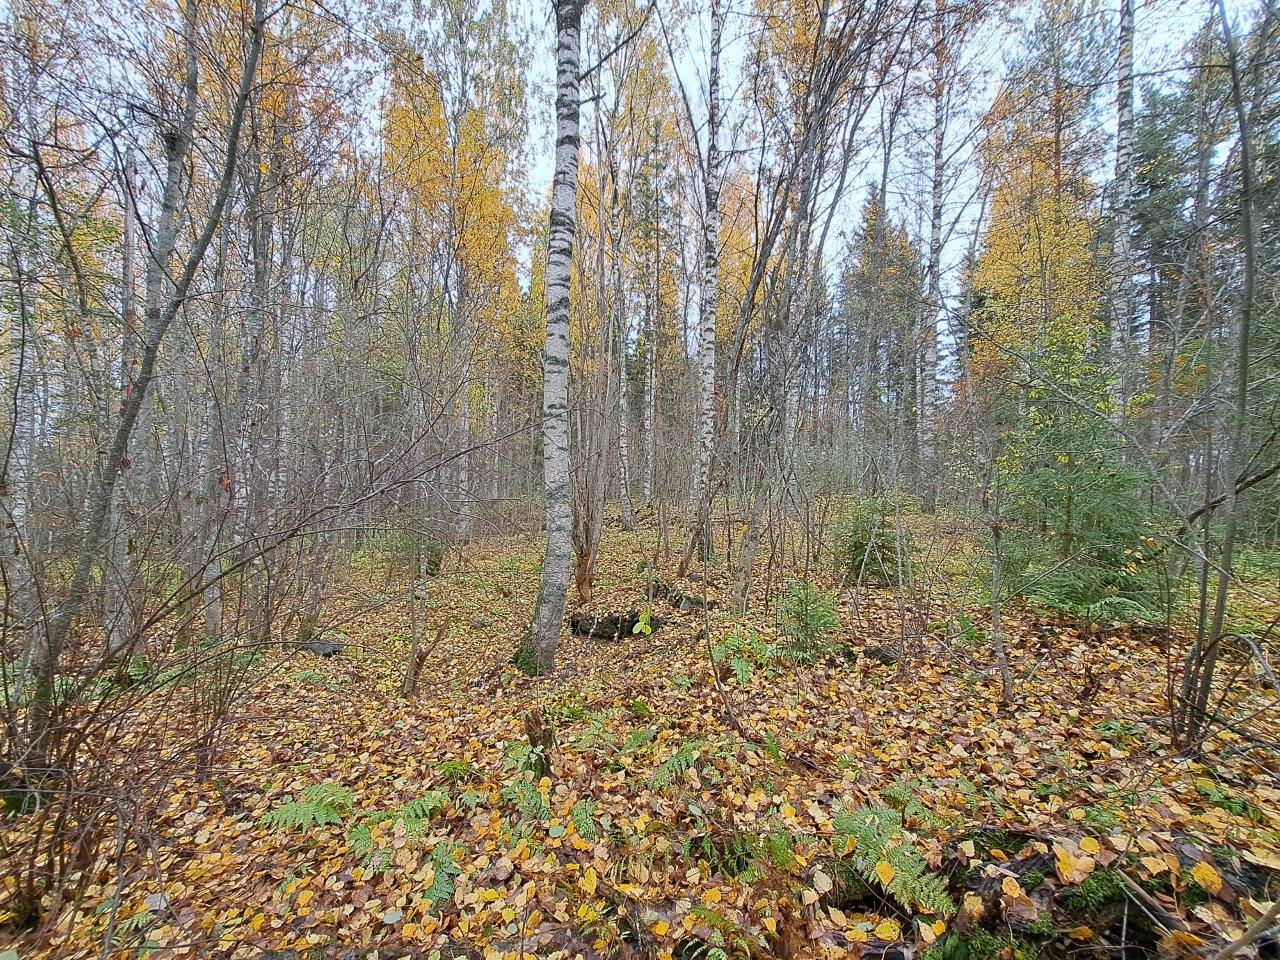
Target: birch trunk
x,y
548,619
708,302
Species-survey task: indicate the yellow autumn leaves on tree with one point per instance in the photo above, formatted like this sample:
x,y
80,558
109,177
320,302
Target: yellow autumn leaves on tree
x,y
1038,280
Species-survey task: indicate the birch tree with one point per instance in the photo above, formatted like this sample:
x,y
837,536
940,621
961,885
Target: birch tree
x,y
538,650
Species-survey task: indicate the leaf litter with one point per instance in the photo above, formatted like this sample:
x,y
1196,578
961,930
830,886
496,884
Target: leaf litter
x,y
689,811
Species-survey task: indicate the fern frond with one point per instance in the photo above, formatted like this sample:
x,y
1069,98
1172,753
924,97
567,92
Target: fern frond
x,y
319,804
528,801
584,819
877,835
677,764
425,806
444,863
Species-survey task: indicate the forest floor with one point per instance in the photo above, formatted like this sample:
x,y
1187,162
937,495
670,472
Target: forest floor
x,y
865,801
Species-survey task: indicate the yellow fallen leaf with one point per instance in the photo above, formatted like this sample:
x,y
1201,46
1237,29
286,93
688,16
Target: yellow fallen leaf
x,y
838,917
1065,862
1204,874
1179,943
660,928
1263,858
888,930
1010,887
973,905
968,849
589,880
821,882
1155,865
885,873
1090,846
770,924
1081,933
711,896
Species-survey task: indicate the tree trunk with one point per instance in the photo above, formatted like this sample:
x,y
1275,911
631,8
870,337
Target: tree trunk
x,y
164,298
704,442
548,619
1122,307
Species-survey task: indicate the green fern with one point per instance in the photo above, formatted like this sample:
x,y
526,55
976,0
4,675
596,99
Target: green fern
x,y
444,861
471,799
677,764
584,819
903,796
636,740
878,835
424,806
415,815
320,804
528,801
522,756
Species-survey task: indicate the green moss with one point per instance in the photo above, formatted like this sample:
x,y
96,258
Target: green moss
x,y
1098,890
974,945
1194,894
1042,928
524,658
1033,881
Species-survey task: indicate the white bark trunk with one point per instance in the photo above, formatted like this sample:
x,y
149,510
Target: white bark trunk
x,y
704,441
544,631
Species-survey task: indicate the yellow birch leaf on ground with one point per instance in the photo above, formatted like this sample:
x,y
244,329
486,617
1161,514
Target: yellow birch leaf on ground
x,y
770,924
1010,887
1090,846
1065,862
1263,858
1072,868
660,928
1204,874
1081,933
885,872
711,896
1155,865
968,849
588,881
808,897
1179,943
888,930
821,882
838,917
973,905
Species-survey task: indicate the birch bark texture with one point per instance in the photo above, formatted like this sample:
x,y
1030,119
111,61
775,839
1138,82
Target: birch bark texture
x,y
548,618
708,303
